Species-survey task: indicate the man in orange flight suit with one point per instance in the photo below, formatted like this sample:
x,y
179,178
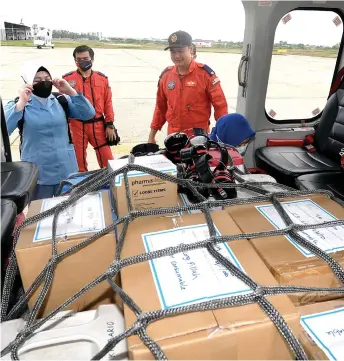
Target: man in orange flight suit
x,y
186,91
100,130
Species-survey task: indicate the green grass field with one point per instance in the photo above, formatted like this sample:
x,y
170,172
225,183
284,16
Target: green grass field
x,y
331,53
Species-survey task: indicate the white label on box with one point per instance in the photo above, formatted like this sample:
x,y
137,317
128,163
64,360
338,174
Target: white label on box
x,y
156,162
308,212
191,277
327,331
86,215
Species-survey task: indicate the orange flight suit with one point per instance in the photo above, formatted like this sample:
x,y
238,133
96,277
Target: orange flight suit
x,y
185,101
96,89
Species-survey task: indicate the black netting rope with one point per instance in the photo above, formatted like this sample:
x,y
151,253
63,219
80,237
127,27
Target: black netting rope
x,y
167,210
336,268
266,306
49,273
144,319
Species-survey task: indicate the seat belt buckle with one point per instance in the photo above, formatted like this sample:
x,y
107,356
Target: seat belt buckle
x,y
310,148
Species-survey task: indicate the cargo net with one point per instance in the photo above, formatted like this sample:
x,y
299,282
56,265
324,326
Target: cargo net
x,y
258,295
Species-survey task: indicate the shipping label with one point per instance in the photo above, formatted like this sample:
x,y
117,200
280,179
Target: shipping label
x,y
85,216
306,211
194,276
327,330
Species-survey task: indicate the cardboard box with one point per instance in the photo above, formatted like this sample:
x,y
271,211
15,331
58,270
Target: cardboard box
x,y
34,249
288,262
322,333
184,201
146,191
220,334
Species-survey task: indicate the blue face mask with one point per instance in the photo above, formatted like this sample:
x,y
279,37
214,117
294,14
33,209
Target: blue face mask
x,y
242,148
220,141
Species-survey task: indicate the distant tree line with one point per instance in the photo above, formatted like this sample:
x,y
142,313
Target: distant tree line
x,y
65,34
135,41
286,45
279,45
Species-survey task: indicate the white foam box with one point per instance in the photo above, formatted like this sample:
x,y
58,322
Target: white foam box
x,y
70,336
256,178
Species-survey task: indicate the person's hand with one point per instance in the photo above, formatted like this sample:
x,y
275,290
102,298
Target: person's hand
x,y
24,94
64,87
152,134
152,140
110,134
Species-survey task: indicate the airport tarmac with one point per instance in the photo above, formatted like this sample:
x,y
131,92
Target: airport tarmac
x,y
297,86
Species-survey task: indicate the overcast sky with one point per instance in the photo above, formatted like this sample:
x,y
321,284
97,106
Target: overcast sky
x,y
217,19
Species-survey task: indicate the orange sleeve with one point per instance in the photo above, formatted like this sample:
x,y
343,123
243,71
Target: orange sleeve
x,y
159,117
108,107
217,97
69,78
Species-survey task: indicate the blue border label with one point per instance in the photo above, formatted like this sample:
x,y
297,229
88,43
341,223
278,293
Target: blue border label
x,y
301,249
321,343
37,238
234,260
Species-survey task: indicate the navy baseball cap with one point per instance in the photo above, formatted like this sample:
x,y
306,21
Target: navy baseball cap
x,y
179,39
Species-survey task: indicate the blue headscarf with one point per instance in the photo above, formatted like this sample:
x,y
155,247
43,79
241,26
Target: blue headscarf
x,y
232,129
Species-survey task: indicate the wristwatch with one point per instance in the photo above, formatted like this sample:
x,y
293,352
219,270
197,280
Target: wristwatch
x,y
110,125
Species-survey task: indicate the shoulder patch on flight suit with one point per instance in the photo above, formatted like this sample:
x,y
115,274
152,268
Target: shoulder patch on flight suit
x,y
208,69
165,70
100,73
70,73
215,81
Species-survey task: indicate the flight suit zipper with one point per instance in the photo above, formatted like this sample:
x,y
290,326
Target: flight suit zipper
x,y
83,126
181,93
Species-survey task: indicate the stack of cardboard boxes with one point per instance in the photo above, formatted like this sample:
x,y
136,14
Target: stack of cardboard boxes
x,y
191,277
290,263
89,215
322,333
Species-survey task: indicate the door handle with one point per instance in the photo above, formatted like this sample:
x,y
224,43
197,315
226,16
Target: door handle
x,y
241,64
244,61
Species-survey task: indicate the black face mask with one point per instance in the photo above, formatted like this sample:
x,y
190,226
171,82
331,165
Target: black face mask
x,y
85,64
43,89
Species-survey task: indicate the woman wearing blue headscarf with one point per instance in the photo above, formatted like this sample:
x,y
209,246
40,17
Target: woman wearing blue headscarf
x,y
233,129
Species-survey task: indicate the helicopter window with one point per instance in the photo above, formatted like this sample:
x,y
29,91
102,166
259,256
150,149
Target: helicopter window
x,y
304,60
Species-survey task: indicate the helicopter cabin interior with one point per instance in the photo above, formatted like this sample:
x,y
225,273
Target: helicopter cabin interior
x,y
299,141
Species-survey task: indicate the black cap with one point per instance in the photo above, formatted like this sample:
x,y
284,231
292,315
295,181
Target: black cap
x,y
179,39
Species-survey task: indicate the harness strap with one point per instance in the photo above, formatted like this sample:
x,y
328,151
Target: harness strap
x,y
93,120
100,146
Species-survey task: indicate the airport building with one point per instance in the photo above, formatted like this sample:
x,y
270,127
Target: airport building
x,y
13,31
203,43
